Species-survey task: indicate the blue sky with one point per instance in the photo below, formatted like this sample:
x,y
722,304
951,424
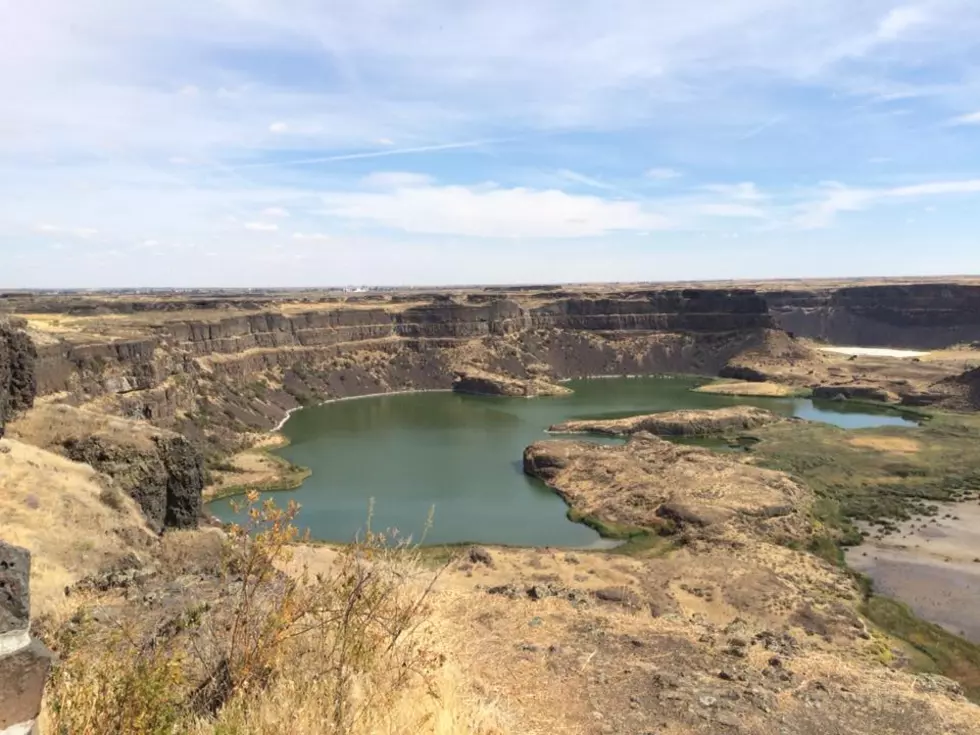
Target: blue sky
x,y
312,142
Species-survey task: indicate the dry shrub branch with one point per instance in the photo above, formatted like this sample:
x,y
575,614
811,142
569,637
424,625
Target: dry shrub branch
x,y
339,651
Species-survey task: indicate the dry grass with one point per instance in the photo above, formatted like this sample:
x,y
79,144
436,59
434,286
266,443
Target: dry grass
x,y
49,425
57,509
895,444
743,388
343,648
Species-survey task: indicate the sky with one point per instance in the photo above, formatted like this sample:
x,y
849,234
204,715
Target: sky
x,y
249,143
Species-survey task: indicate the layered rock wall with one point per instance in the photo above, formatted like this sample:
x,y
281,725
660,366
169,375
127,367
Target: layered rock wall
x,y
366,347
923,315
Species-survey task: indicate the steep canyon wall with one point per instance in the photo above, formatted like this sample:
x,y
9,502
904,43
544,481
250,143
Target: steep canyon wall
x,y
921,315
248,369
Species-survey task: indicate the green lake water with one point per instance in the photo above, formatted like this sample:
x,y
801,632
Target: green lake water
x,y
460,457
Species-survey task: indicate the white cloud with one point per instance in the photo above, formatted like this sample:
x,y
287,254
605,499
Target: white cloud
x,y
488,211
189,90
179,160
83,232
275,212
745,191
311,236
900,20
972,119
730,210
261,226
278,127
148,244
662,174
395,179
385,141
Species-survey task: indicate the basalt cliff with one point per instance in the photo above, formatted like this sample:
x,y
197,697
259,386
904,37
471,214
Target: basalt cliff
x,y
915,315
242,369
218,366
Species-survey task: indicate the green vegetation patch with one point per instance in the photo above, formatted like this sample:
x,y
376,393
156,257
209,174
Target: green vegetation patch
x,y
932,649
878,475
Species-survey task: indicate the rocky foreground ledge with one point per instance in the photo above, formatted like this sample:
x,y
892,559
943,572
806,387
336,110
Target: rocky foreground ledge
x,y
651,483
676,423
479,382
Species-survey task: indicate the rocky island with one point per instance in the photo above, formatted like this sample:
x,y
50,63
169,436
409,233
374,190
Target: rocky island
x,y
476,382
676,423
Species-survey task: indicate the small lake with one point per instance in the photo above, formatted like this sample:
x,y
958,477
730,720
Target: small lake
x,y
460,456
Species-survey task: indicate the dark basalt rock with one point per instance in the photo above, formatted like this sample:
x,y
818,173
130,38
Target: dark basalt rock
x,y
18,384
165,481
923,315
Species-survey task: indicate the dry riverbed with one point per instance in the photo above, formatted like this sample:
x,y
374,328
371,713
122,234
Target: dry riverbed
x,y
931,564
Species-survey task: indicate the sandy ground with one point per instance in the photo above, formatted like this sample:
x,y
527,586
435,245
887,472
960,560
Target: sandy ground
x,y
873,351
933,565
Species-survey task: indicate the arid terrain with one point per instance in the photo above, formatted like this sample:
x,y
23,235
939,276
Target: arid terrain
x,y
728,608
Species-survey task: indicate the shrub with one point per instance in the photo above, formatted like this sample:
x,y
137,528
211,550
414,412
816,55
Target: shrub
x,y
315,653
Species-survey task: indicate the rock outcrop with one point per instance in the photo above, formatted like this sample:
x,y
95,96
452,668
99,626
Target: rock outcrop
x,y
771,353
24,663
161,470
959,392
854,392
17,378
650,482
676,423
478,382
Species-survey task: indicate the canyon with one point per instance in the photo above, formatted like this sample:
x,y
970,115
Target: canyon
x,y
168,359
727,610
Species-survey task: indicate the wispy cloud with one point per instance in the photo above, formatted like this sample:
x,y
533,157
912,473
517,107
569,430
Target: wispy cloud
x,y
275,212
487,211
662,174
261,226
83,232
730,210
365,154
744,191
395,179
899,21
971,119
311,236
838,198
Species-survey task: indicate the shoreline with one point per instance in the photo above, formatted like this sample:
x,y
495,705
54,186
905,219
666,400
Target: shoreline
x,y
291,411
931,564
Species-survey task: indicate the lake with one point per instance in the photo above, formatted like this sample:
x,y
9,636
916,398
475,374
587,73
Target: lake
x,y
460,457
